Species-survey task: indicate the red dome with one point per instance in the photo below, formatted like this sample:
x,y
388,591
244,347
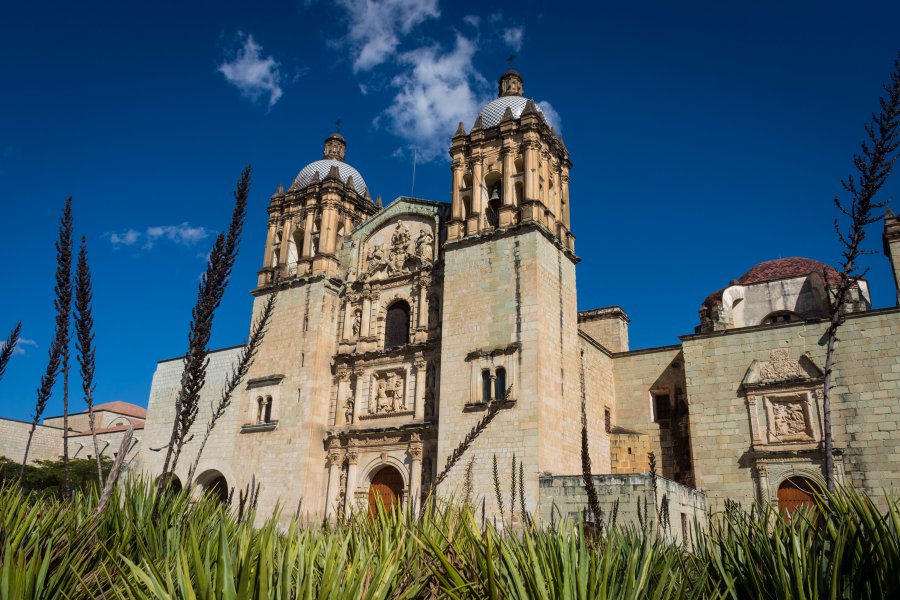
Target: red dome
x,y
780,268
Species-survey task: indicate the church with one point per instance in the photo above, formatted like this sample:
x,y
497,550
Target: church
x,y
397,327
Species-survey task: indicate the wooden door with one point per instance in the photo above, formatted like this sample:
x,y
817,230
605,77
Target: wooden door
x,y
387,485
795,493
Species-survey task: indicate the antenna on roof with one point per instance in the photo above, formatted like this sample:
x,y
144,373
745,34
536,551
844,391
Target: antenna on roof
x,y
412,193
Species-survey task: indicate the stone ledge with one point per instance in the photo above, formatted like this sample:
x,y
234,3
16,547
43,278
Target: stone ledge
x,y
258,427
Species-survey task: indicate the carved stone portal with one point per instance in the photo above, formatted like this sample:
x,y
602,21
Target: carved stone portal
x,y
388,393
780,367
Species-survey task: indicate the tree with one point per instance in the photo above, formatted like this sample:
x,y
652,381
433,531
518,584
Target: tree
x,y
8,347
209,296
84,343
62,303
873,165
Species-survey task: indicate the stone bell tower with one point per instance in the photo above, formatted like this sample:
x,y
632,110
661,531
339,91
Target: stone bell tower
x,y
511,168
285,403
510,315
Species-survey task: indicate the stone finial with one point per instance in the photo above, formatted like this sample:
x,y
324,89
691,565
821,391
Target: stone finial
x,y
315,177
507,115
335,147
378,201
349,182
334,173
510,84
367,194
530,108
280,189
460,130
479,124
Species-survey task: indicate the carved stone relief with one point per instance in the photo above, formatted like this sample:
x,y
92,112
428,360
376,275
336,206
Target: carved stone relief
x,y
388,395
789,418
780,367
402,254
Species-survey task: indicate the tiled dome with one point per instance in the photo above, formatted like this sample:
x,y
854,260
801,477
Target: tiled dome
x,y
492,114
323,167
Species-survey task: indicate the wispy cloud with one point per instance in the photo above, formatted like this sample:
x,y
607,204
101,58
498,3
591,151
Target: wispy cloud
x,y
253,74
19,349
437,91
513,36
473,20
551,115
375,27
183,234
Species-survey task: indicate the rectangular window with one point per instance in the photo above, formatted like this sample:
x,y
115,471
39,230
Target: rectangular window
x,y
662,406
486,386
607,420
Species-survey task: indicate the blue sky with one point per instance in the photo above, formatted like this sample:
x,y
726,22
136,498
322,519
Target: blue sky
x,y
705,137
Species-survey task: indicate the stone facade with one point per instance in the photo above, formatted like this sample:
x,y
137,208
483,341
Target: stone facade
x,y
397,327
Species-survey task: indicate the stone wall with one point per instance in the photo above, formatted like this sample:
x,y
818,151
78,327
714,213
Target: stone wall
x,y
600,397
624,496
865,407
608,325
45,445
637,375
161,411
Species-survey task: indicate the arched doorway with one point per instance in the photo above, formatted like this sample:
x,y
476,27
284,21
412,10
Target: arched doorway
x,y
795,493
387,485
214,484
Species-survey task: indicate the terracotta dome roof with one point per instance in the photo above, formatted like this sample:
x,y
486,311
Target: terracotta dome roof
x,y
778,269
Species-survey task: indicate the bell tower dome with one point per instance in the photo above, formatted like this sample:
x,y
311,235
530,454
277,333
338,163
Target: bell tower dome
x,y
510,84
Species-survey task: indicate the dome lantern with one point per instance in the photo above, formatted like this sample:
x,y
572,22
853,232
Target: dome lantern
x,y
510,84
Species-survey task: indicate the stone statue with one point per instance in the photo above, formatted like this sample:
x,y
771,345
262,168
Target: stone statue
x,y
399,249
424,245
433,314
381,400
348,410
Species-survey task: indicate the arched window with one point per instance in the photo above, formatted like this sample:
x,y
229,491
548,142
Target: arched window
x,y
396,327
781,316
485,386
260,409
492,212
267,412
500,384
467,207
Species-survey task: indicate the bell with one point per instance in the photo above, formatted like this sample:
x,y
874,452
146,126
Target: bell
x,y
495,192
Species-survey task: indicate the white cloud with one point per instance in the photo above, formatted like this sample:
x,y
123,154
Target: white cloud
x,y
126,238
18,350
473,20
183,234
513,37
439,90
254,75
376,26
551,115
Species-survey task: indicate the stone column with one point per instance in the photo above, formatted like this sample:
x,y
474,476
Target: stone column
x,y
285,241
509,193
347,330
328,234
352,460
477,188
545,175
423,307
366,317
307,234
565,197
334,477
415,473
531,165
762,480
419,399
455,196
358,402
270,239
